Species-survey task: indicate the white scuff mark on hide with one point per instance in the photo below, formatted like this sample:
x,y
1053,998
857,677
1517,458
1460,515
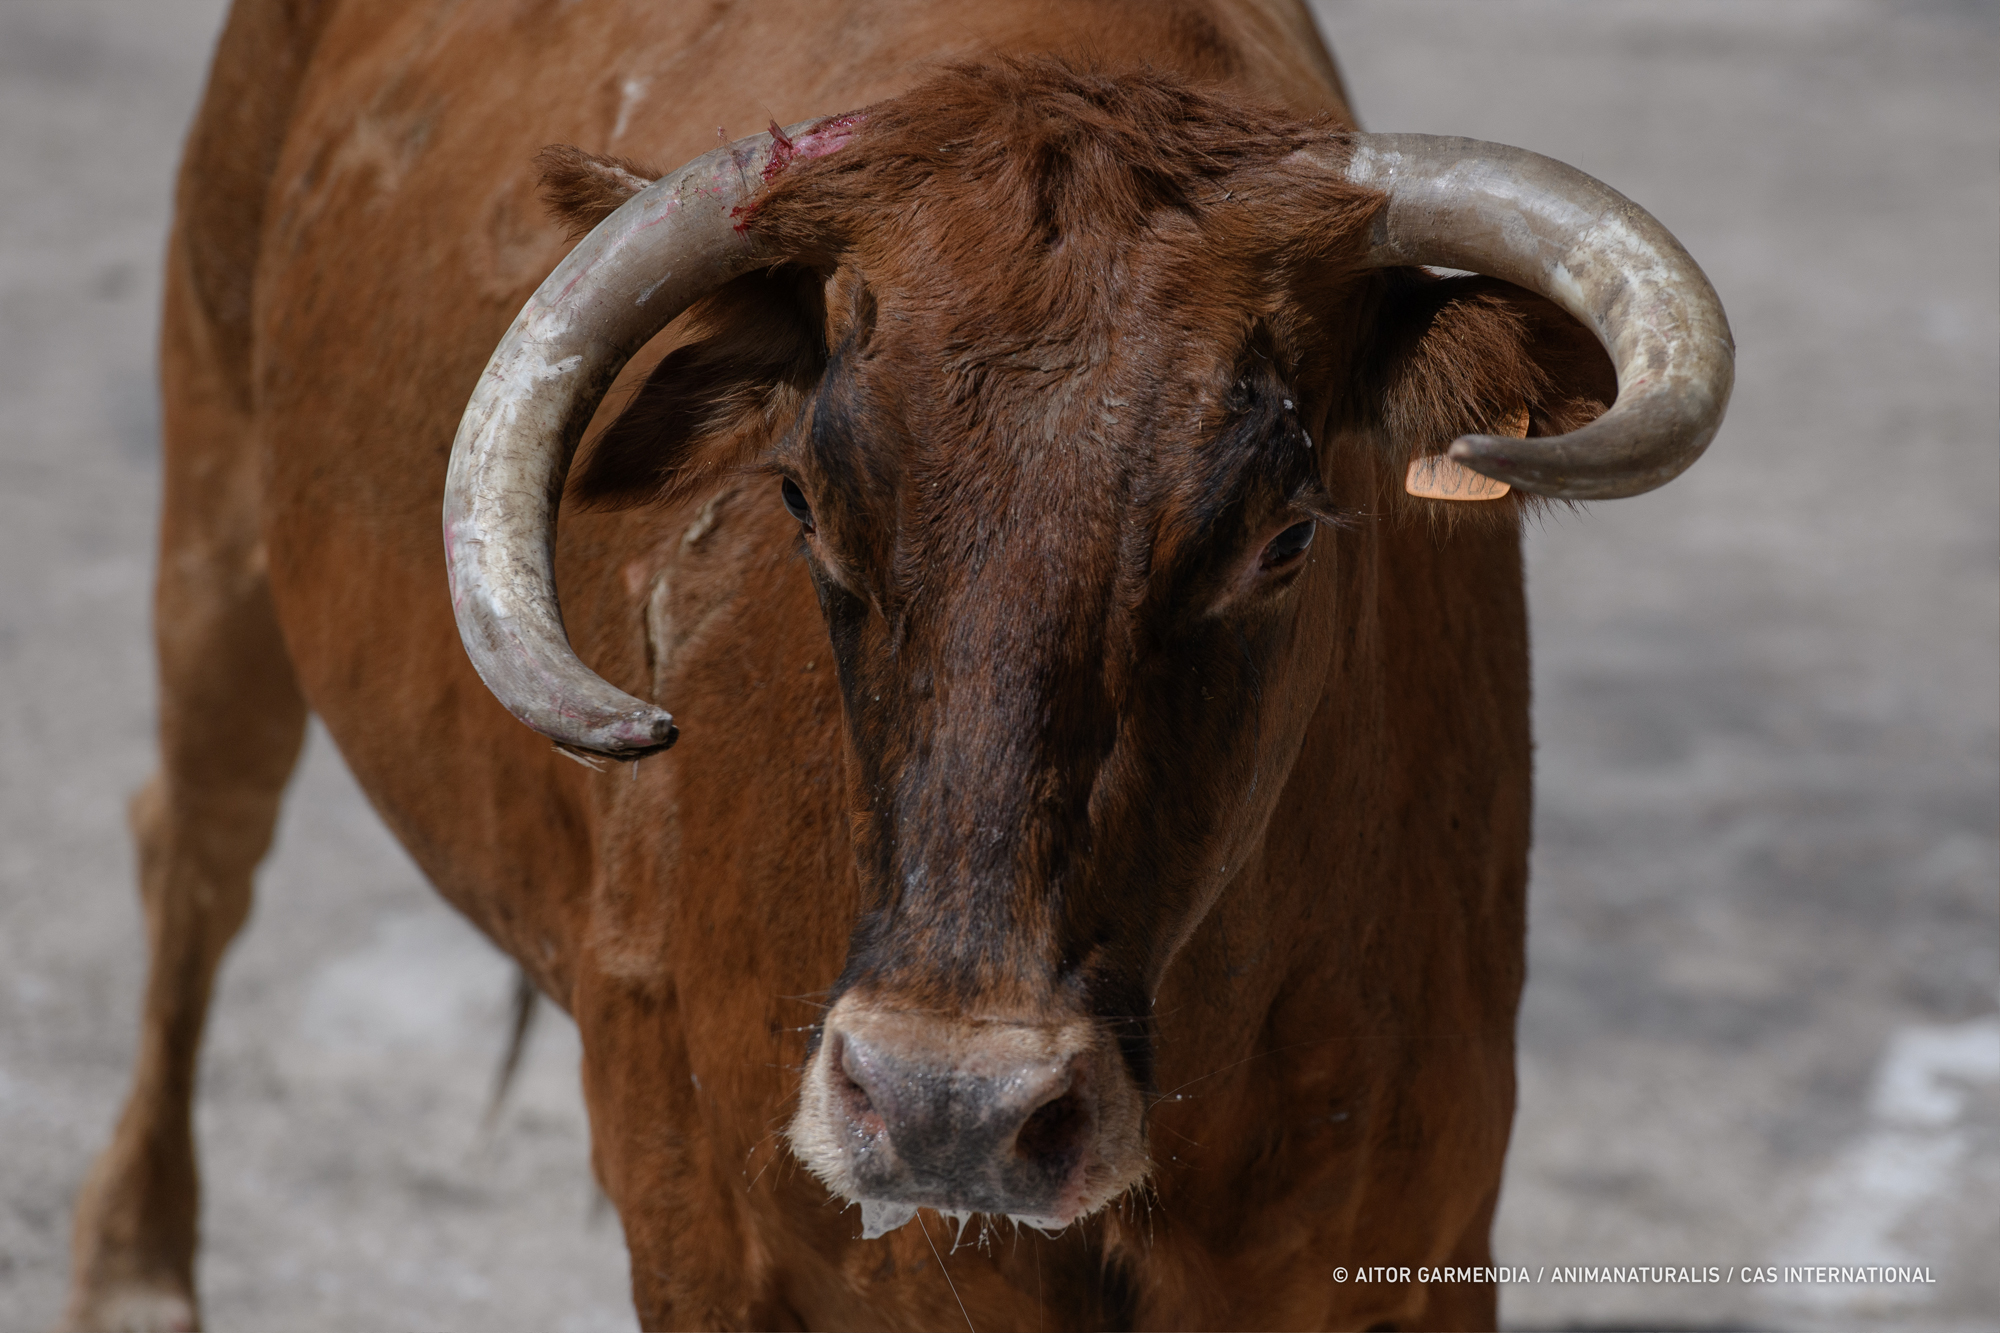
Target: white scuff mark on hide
x,y
630,93
1909,1156
704,523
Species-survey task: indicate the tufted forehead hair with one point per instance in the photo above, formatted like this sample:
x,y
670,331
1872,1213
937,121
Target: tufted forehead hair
x,y
1066,258
1039,181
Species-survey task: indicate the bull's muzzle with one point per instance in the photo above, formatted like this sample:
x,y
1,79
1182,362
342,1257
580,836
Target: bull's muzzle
x,y
903,1109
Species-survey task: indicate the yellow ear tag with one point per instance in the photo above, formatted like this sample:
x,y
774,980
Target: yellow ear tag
x,y
1436,477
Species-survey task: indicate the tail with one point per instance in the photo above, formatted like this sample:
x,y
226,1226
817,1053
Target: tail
x,y
525,997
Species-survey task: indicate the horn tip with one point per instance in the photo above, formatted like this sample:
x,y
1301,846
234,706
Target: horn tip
x,y
624,742
1486,454
1503,458
656,733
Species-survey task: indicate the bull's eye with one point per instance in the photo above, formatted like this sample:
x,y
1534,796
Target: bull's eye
x,y
1288,545
795,502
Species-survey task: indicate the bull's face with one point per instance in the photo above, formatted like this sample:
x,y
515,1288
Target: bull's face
x,y
1065,382
1065,587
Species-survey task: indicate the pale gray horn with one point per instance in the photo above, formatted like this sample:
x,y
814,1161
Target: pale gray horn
x,y
1512,214
665,248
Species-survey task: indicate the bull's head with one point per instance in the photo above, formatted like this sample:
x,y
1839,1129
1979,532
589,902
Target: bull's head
x,y
1056,375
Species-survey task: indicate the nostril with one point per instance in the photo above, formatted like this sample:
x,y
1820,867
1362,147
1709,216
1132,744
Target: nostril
x,y
852,1094
1049,1137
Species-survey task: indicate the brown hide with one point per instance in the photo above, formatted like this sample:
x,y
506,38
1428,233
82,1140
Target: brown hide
x,y
1332,1041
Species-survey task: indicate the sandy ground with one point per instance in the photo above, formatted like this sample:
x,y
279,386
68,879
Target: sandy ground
x,y
1761,1025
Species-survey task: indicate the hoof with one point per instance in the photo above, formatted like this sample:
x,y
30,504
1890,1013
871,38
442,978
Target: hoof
x,y
131,1309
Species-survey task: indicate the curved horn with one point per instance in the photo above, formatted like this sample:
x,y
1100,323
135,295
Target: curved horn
x,y
1515,215
662,250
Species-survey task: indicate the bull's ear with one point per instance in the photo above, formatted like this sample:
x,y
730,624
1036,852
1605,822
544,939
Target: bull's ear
x,y
1464,355
582,189
754,357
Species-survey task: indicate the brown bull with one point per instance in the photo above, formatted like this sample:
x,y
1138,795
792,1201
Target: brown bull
x,y
1105,793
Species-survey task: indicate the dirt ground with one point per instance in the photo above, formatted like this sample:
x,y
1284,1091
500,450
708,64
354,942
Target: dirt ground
x,y
1761,1026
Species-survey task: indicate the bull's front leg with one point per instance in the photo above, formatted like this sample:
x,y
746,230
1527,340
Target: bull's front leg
x,y
231,724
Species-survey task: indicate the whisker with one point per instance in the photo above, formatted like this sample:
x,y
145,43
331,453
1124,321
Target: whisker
x,y
947,1272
